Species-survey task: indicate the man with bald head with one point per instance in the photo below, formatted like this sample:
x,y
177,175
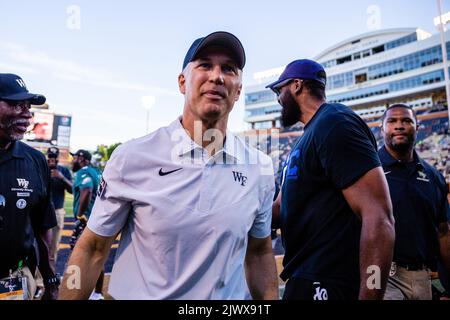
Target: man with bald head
x,y
420,207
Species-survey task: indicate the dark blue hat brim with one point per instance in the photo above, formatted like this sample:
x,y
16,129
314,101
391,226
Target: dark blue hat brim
x,y
274,84
36,99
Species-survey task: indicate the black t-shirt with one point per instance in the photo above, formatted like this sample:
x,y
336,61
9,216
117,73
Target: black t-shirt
x,y
25,203
58,187
320,232
419,200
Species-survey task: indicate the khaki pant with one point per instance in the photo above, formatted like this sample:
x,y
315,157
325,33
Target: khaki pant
x,y
31,284
56,238
409,285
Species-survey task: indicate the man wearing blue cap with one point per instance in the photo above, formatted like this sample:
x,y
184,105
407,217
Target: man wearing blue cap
x,y
336,214
26,212
192,201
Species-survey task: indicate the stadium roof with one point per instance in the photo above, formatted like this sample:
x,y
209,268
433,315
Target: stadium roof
x,y
400,31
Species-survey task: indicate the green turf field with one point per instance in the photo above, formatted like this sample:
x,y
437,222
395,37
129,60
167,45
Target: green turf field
x,y
68,205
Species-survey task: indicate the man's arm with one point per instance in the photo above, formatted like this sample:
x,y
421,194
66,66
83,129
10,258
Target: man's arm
x,y
55,173
369,198
68,185
51,290
260,269
84,266
276,207
85,198
444,244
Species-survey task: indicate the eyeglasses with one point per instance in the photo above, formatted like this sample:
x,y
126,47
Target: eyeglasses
x,y
19,105
282,84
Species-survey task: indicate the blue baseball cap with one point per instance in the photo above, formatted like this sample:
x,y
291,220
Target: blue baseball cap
x,y
13,88
300,69
219,38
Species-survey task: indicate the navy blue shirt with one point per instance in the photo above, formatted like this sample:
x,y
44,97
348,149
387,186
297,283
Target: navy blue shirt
x,y
320,232
419,201
58,187
25,203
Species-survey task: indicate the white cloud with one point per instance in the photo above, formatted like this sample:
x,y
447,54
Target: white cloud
x,y
15,68
75,72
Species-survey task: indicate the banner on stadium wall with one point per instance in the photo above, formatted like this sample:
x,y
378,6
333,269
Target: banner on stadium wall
x,y
49,128
61,130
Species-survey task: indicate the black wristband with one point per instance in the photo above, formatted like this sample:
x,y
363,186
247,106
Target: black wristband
x,y
51,281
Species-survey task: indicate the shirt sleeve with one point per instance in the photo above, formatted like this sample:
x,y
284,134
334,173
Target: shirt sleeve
x,y
444,212
86,181
261,227
66,173
347,152
111,209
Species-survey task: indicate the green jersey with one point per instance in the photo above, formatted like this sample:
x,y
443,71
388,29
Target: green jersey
x,y
86,177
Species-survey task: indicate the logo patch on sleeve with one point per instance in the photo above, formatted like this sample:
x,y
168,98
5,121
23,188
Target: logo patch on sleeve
x,y
86,180
101,188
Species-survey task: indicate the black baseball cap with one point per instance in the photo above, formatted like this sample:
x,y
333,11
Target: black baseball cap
x,y
84,153
301,69
218,38
53,152
13,88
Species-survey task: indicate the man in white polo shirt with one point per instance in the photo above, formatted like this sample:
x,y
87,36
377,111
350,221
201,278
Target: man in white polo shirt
x,y
191,200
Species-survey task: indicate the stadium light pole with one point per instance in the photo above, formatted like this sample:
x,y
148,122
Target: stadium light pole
x,y
440,22
148,102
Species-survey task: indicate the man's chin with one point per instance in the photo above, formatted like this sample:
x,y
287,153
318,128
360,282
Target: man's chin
x,y
286,123
212,115
16,136
402,147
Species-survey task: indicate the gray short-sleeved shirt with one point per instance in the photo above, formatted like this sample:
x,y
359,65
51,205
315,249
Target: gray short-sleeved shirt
x,y
184,217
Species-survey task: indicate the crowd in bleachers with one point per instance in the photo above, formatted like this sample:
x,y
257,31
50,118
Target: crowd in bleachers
x,y
435,149
433,145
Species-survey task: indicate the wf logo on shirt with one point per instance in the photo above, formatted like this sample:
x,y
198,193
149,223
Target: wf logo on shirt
x,y
23,183
239,177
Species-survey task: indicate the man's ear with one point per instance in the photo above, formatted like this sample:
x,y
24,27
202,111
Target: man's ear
x,y
182,83
238,94
298,87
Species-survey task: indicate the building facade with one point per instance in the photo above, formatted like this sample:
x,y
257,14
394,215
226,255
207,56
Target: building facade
x,y
367,72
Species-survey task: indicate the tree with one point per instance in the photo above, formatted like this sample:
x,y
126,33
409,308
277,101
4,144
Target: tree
x,y
103,153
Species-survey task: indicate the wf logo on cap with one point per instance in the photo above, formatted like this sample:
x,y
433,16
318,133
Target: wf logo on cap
x,y
21,83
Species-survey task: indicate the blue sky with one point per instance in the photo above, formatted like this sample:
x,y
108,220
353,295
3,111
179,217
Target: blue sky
x,y
124,50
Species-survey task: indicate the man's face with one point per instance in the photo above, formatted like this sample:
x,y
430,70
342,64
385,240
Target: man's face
x,y
211,84
52,162
400,129
76,163
14,119
290,113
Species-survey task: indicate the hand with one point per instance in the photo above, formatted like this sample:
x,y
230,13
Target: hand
x,y
82,218
51,292
54,173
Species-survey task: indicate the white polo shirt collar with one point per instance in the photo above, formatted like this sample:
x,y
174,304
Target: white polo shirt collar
x,y
232,148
